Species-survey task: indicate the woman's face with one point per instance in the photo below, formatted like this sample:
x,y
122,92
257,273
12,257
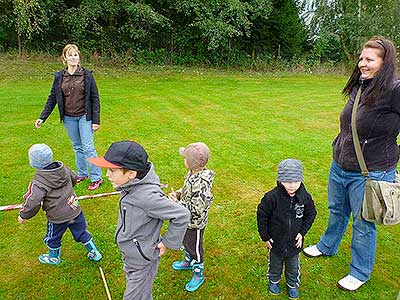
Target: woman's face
x,y
370,62
72,58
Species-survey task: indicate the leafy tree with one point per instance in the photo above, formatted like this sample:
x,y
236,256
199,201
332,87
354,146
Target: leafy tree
x,y
30,18
286,33
350,23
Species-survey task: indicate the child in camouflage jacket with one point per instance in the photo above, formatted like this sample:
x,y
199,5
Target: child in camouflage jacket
x,y
196,196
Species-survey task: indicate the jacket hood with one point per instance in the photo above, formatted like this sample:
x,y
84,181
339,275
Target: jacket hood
x,y
150,179
206,174
53,178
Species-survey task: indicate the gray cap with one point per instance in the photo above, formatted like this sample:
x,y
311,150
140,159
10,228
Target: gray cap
x,y
290,170
40,156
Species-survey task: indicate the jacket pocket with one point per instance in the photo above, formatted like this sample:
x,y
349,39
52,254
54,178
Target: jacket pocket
x,y
136,242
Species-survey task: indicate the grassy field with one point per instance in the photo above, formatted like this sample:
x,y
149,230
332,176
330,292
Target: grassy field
x,y
250,121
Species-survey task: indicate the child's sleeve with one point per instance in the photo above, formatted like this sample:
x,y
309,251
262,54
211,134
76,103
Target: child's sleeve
x,y
32,201
308,216
73,176
178,216
264,212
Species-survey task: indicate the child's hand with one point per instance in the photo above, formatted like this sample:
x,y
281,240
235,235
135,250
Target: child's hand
x,y
299,239
173,195
20,220
269,243
162,248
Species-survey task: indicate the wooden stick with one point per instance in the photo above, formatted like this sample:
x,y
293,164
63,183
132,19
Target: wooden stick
x,y
105,283
17,206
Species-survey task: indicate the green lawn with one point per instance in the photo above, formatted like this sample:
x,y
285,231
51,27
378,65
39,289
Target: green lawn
x,y
249,120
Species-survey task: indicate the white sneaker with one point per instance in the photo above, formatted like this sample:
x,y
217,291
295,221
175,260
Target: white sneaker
x,y
312,251
350,283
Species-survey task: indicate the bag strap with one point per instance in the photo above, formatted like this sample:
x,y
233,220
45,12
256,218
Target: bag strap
x,y
367,206
356,141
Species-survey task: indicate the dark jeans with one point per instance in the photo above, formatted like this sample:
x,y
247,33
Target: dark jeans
x,y
292,269
78,229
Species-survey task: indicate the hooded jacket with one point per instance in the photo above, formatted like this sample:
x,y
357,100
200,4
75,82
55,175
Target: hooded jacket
x,y
92,99
281,217
52,189
378,126
143,208
196,196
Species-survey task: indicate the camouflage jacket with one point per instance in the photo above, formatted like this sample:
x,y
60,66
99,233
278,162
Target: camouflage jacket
x,y
196,196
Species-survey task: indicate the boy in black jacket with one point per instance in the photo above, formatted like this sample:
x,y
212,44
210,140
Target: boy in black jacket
x,y
284,216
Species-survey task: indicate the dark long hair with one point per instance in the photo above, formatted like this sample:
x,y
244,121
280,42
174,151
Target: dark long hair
x,y
385,76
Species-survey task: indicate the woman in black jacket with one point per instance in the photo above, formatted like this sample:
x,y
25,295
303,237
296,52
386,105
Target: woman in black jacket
x,y
75,92
378,125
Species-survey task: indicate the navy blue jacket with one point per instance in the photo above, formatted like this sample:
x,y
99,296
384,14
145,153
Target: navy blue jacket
x,y
92,99
281,217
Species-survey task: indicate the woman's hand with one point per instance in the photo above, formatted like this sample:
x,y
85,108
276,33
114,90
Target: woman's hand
x,y
95,127
299,240
162,248
269,243
38,123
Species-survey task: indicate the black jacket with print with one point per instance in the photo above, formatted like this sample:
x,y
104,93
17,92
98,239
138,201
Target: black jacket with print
x,y
281,217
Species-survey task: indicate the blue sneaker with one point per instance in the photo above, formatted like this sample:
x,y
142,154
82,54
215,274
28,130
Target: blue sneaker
x,y
274,288
293,293
197,278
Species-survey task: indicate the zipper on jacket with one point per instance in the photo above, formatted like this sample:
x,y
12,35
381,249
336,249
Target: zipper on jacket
x,y
290,217
120,211
135,241
123,219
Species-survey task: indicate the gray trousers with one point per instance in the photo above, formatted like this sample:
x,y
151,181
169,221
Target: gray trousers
x,y
139,281
292,269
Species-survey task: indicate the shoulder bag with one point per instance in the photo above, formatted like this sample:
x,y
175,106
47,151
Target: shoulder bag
x,y
381,204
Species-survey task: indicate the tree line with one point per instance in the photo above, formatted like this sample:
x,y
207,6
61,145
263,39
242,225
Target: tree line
x,y
227,32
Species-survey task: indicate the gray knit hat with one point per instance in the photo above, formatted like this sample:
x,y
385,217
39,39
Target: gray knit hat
x,y
196,155
40,156
290,170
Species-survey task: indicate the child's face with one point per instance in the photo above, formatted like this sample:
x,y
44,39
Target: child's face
x,y
119,177
291,187
186,164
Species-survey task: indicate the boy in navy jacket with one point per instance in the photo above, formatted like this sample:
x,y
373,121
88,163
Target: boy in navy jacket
x,y
284,216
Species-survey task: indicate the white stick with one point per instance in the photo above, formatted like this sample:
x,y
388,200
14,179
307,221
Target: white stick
x,y
105,283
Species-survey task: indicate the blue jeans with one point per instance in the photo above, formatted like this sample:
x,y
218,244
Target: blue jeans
x,y
345,196
81,135
292,269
